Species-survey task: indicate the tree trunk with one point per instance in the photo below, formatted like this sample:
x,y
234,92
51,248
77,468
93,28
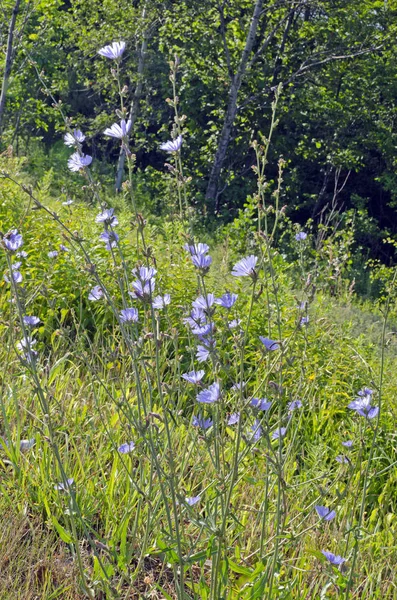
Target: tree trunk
x,y
8,62
231,110
134,105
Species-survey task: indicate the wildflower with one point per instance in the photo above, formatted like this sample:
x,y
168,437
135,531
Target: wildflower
x,y
107,217
239,386
202,423
68,202
209,395
256,430
365,392
204,302
113,51
260,403
62,487
202,353
160,302
22,254
302,235
227,300
30,321
25,445
202,261
342,459
126,448
325,513
197,249
294,405
16,277
63,248
129,315
110,238
145,274
302,305
347,444
362,406
233,419
75,138
235,323
269,344
172,145
203,330
193,500
96,293
12,240
334,559
193,376
77,161
304,321
245,267
280,432
197,318
26,343
52,254
119,131
143,290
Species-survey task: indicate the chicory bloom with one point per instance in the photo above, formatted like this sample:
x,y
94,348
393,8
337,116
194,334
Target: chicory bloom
x,y
13,240
96,293
256,430
203,330
193,500
269,344
342,459
347,444
365,392
334,559
202,353
77,161
294,405
68,202
202,261
110,238
143,290
107,217
325,513
245,267
260,403
119,131
52,254
63,248
202,423
62,487
235,323
302,235
126,448
209,395
75,138
362,406
304,320
233,419
204,302
280,432
172,145
113,51
197,249
160,302
16,277
197,318
31,321
129,315
25,445
144,274
193,376
227,300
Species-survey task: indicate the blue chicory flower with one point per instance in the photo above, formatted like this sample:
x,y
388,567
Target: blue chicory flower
x,y
129,315
119,131
294,405
334,559
235,323
52,254
300,236
233,419
110,238
31,321
204,302
342,459
210,394
107,217
325,513
25,445
74,139
16,277
280,432
202,353
113,51
304,321
269,344
13,240
256,430
245,267
202,422
144,274
202,261
192,500
347,444
62,487
77,161
227,300
172,145
126,448
63,248
260,403
193,376
160,302
143,290
362,406
96,293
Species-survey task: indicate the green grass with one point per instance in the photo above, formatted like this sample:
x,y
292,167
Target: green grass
x,y
118,524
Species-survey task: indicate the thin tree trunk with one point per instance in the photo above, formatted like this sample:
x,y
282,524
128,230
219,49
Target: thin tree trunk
x,y
8,62
231,111
134,105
